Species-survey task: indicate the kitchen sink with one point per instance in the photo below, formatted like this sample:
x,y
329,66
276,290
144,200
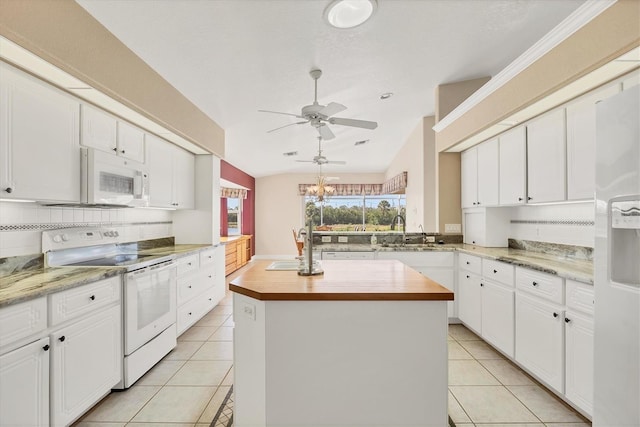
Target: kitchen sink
x,y
284,265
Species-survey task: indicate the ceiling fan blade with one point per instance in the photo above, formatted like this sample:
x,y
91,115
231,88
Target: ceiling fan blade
x,y
305,161
280,112
325,132
352,122
331,109
336,162
290,124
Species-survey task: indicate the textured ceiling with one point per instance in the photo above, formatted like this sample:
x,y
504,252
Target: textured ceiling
x,y
233,57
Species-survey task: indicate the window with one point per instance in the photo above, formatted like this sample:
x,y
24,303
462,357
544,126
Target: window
x,y
359,213
234,216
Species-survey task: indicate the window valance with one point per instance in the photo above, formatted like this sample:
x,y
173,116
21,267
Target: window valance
x,y
397,184
346,189
233,193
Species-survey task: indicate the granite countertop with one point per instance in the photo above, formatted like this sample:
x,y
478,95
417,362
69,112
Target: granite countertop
x,y
33,282
547,262
381,280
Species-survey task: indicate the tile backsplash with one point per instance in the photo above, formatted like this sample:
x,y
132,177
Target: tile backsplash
x,y
21,224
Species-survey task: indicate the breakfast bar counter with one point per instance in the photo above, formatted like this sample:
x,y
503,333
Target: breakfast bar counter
x,y
365,344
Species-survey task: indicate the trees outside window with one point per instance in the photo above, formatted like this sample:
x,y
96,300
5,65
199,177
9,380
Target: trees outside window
x,y
362,213
234,216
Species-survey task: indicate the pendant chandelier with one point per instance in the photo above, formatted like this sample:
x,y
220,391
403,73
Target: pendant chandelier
x,y
321,190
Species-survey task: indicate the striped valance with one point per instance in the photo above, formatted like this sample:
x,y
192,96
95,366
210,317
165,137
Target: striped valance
x,y
346,189
233,193
397,184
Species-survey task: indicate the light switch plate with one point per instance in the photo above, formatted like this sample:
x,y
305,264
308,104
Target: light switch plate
x,y
430,239
343,239
453,228
326,239
249,311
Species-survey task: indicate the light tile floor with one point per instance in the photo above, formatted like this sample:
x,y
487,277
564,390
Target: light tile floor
x,y
186,388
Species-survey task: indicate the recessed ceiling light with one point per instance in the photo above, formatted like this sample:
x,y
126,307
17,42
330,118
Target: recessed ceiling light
x,y
364,141
290,153
386,95
349,13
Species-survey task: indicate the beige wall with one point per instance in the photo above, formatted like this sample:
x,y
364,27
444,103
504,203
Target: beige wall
x,y
430,175
450,95
410,158
65,35
449,208
612,33
279,208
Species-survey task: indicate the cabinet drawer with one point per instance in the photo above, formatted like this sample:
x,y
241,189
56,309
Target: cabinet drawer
x,y
188,287
580,296
193,311
207,257
230,259
22,320
470,263
230,248
85,299
499,271
208,278
540,284
187,264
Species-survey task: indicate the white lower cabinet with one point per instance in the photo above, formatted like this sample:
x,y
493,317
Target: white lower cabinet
x,y
24,385
470,300
498,316
540,339
579,360
86,362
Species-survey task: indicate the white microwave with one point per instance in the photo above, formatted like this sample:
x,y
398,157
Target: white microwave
x,y
111,180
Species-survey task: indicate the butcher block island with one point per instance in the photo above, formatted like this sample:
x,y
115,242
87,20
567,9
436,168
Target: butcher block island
x,y
364,344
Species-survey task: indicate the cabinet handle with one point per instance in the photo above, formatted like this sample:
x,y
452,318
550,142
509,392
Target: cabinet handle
x,y
209,276
468,263
519,199
468,276
9,190
122,151
92,297
529,198
46,347
189,313
478,202
115,149
210,299
481,284
189,286
474,203
495,271
473,241
555,314
567,320
62,338
534,283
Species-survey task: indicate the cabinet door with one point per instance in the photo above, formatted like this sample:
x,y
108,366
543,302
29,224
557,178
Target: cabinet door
x,y
98,129
513,167
130,142
488,173
86,364
24,386
184,178
581,144
539,339
39,140
546,157
469,301
469,177
579,360
498,320
631,80
160,164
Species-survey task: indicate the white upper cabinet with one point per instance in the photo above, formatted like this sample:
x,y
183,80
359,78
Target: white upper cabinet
x,y
39,140
171,175
581,143
513,167
546,158
130,142
104,132
469,177
98,129
488,173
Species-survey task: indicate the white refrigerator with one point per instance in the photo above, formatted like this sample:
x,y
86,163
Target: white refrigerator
x,y
617,262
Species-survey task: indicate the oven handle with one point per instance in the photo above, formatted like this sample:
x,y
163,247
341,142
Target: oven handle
x,y
162,266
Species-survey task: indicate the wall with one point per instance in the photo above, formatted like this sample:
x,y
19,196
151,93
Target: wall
x,y
235,175
450,95
21,224
67,36
410,158
279,208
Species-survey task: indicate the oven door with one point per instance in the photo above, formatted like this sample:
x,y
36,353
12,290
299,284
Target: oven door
x,y
150,304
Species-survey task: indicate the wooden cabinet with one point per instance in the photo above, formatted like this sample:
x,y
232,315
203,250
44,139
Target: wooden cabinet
x,y
171,174
39,140
86,361
24,385
237,253
581,143
479,169
513,167
540,339
546,157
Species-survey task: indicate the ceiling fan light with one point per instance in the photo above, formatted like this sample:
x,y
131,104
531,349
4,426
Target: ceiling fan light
x,y
345,14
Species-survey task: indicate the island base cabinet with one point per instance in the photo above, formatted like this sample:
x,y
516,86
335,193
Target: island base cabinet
x,y
86,364
579,360
24,386
339,363
540,339
498,316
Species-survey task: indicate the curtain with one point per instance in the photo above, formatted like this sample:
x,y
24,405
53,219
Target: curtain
x,y
397,184
233,193
346,189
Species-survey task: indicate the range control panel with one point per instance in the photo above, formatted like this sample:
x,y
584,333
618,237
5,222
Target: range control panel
x,y
78,237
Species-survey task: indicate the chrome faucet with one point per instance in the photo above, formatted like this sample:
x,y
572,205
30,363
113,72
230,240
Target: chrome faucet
x,y
309,269
404,226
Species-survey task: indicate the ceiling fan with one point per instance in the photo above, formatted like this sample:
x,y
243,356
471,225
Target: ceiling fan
x,y
320,159
319,116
